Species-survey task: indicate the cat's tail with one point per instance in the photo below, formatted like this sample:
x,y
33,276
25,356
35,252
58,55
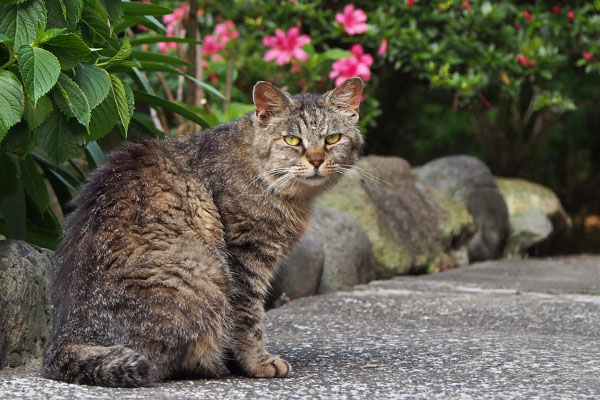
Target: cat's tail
x,y
116,366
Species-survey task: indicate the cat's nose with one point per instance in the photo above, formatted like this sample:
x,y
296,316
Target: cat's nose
x,y
316,160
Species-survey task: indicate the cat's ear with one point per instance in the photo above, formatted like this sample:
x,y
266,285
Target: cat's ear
x,y
347,95
269,100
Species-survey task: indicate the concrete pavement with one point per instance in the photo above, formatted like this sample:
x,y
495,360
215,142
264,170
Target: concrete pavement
x,y
526,329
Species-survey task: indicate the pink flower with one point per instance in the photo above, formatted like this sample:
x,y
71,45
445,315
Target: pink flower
x,y
382,47
527,15
358,65
556,10
166,46
517,25
226,31
211,45
284,47
352,19
177,15
570,15
466,5
522,59
588,56
531,63
173,22
410,3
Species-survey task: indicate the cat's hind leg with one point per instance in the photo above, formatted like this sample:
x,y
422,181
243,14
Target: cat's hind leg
x,y
115,366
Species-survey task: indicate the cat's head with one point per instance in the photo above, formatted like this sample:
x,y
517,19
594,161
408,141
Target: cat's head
x,y
306,142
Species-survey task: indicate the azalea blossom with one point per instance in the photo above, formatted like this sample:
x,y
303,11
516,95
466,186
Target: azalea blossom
x,y
173,22
556,10
466,5
410,3
166,46
177,15
352,19
570,15
358,65
382,47
284,47
211,45
226,31
588,56
527,15
522,59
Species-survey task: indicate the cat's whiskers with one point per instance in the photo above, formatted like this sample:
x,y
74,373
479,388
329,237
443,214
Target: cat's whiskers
x,y
279,182
366,175
264,174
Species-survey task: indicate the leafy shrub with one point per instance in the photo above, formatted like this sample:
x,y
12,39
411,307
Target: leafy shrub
x,y
69,75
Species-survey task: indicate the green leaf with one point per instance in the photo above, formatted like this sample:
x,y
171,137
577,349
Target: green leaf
x,y
95,154
9,176
140,119
60,139
71,100
20,22
69,49
13,209
138,8
123,53
19,140
237,110
34,184
34,116
130,99
174,107
162,58
154,66
104,118
64,13
95,19
94,82
118,92
150,22
11,101
335,54
43,36
6,50
114,9
148,39
39,70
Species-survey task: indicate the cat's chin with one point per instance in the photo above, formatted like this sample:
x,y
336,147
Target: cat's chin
x,y
314,180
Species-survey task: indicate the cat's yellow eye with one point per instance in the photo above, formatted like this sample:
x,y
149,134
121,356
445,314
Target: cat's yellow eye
x,y
334,138
292,140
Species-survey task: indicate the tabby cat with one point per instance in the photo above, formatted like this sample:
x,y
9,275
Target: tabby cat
x,y
166,262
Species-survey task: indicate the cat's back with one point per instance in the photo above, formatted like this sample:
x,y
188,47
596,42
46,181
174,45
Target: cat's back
x,y
142,200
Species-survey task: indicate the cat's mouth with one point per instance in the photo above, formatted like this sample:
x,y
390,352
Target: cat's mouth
x,y
315,179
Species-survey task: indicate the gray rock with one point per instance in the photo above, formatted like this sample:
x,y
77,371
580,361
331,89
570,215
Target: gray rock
x,y
349,259
301,273
25,317
526,202
410,225
526,230
470,182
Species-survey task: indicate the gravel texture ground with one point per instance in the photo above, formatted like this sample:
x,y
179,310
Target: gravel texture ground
x,y
503,330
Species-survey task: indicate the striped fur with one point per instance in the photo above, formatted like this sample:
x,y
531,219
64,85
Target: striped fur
x,y
166,261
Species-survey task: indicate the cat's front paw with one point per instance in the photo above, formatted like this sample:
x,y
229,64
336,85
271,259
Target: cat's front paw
x,y
272,367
